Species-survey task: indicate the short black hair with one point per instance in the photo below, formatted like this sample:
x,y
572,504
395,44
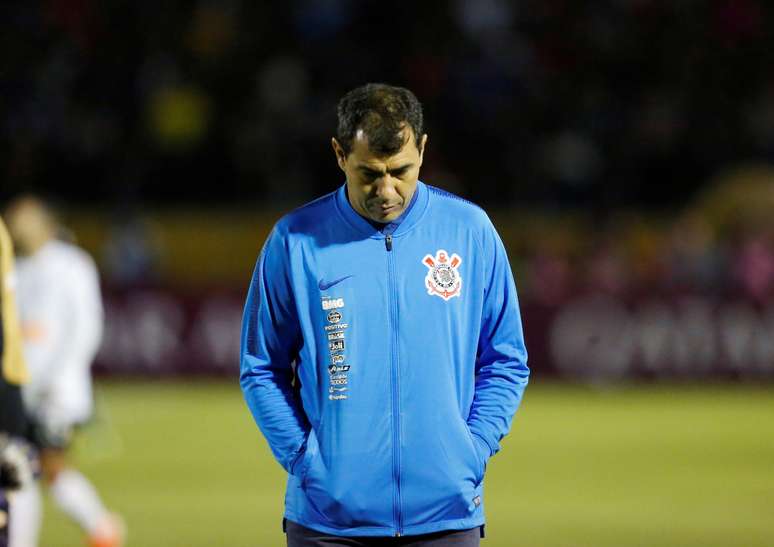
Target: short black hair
x,y
381,111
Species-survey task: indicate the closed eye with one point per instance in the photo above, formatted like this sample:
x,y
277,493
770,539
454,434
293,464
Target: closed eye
x,y
370,173
396,172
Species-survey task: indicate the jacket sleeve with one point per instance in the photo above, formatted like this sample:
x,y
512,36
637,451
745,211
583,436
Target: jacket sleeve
x,y
501,366
270,342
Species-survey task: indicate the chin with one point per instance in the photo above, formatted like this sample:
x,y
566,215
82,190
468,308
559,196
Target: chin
x,y
389,217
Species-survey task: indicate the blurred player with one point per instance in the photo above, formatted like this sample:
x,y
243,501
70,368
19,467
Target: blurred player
x,y
61,313
15,471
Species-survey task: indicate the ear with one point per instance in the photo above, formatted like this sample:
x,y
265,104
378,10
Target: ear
x,y
341,156
422,143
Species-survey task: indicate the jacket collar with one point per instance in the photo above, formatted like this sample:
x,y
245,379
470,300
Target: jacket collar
x,y
360,224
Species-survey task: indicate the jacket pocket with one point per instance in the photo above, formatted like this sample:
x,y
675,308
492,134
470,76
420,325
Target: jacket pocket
x,y
346,489
312,448
480,462
440,469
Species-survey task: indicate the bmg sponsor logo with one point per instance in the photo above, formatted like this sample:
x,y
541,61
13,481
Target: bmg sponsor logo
x,y
332,304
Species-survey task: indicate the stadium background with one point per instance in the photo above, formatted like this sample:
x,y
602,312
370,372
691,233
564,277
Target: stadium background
x,y
624,149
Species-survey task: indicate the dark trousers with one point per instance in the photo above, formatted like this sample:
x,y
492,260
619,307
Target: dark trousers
x,y
299,536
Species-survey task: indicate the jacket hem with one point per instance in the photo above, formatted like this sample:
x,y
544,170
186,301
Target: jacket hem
x,y
389,531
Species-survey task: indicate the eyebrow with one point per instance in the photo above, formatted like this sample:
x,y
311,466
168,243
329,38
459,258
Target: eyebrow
x,y
394,171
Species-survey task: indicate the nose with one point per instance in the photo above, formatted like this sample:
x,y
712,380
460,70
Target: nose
x,y
385,187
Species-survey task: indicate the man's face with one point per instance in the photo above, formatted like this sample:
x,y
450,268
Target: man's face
x,y
381,187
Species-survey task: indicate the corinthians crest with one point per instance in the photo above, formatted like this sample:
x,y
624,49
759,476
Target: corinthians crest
x,y
443,278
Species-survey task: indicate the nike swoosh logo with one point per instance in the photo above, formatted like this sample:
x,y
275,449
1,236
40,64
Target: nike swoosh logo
x,y
324,286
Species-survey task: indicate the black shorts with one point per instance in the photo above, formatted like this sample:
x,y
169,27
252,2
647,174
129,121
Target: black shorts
x,y
51,436
300,536
13,420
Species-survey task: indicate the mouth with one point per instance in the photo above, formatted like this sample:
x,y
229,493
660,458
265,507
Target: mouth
x,y
385,208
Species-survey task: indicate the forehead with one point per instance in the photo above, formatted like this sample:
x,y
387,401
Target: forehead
x,y
366,157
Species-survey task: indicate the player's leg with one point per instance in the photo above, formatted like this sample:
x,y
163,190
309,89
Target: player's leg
x,y
22,500
70,490
4,512
24,507
75,495
26,514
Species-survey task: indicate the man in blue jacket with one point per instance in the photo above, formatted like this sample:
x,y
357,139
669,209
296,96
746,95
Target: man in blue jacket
x,y
382,349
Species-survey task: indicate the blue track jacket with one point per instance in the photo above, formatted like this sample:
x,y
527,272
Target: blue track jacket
x,y
409,361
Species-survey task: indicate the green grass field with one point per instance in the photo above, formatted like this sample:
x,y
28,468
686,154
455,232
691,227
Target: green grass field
x,y
647,466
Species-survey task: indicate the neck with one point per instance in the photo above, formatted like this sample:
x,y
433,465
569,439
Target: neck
x,y
34,246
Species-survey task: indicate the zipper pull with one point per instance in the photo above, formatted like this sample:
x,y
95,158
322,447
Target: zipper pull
x,y
388,242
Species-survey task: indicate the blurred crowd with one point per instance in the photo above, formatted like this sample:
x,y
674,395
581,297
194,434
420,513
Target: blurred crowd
x,y
560,104
721,245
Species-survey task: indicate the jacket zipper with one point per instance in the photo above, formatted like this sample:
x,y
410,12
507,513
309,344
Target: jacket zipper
x,y
395,388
